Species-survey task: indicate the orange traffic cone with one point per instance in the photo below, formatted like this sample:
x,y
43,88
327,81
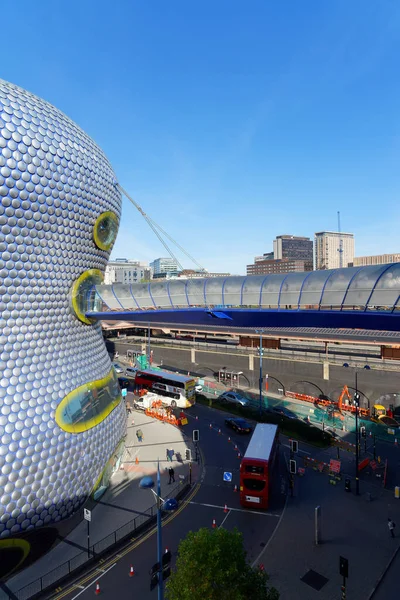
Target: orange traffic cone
x,y
236,447
226,509
214,525
137,461
197,418
97,590
395,441
210,425
131,572
235,488
238,454
219,431
229,439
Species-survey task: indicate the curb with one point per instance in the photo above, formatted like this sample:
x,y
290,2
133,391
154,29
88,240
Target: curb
x,y
382,577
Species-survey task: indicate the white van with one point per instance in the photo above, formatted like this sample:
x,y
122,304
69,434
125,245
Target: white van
x,y
131,371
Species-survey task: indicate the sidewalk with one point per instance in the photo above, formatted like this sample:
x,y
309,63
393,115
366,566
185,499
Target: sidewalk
x,y
124,500
352,527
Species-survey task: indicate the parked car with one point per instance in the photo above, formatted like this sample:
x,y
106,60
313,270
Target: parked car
x,y
281,410
131,371
239,425
118,368
123,382
233,398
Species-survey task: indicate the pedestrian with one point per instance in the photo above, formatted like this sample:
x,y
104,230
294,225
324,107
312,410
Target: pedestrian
x,y
391,526
171,474
139,435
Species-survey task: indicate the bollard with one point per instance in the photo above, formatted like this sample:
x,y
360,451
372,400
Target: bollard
x,y
317,525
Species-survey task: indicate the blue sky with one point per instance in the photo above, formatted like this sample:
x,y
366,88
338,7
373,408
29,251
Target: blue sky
x,y
229,122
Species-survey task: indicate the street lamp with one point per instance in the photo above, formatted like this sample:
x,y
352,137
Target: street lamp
x,y
147,483
260,331
357,403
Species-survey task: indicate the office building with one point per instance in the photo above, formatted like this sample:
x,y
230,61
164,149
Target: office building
x,y
378,259
162,266
123,270
269,267
294,248
333,249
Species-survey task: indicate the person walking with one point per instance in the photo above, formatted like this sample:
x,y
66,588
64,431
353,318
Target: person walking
x,y
391,526
139,435
171,474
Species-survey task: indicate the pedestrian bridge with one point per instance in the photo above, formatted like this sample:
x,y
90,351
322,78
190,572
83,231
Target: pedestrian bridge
x,y
356,297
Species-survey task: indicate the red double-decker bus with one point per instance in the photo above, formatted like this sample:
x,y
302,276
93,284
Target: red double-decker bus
x,y
257,466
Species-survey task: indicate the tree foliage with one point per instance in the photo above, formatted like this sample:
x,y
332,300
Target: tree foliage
x,y
211,565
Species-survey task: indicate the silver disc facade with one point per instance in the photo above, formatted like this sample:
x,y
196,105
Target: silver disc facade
x,y
61,415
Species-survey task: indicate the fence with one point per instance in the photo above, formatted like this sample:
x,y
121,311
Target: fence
x,y
53,577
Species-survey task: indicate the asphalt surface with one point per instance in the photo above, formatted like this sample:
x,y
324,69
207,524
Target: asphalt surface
x,y
206,505
297,375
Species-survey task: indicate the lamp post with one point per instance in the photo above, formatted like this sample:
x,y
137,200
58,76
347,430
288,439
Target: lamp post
x,y
147,483
357,403
260,331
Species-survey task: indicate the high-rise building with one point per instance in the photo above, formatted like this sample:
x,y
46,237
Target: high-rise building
x,y
333,249
123,270
378,259
163,266
294,248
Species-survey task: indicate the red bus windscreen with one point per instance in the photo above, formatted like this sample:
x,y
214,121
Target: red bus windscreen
x,y
257,466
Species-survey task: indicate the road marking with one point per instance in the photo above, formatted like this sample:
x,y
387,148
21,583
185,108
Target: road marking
x,y
136,542
302,451
226,516
272,536
253,512
88,586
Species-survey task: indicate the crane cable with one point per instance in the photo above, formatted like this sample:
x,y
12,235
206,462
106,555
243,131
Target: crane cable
x,y
155,227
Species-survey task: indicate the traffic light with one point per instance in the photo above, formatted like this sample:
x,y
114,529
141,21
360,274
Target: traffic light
x,y
292,467
196,435
188,454
294,445
363,432
153,581
343,566
357,399
166,558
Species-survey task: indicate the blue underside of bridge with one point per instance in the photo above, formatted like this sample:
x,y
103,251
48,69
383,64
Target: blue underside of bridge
x,y
258,318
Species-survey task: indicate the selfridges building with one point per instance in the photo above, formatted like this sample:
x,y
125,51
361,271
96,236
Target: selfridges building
x,y
62,419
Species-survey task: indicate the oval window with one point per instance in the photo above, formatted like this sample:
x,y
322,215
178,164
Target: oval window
x,y
105,230
83,295
89,404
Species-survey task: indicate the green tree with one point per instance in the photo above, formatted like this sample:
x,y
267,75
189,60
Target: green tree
x,y
211,565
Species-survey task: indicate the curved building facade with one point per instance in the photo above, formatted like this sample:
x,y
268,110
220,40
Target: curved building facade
x,y
61,415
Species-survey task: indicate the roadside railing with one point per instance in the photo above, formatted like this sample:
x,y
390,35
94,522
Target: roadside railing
x,y
71,566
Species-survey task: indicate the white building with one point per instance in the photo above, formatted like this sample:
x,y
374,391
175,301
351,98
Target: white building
x,y
123,270
161,266
333,249
378,259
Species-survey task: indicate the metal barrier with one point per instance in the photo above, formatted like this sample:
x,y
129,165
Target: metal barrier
x,y
48,580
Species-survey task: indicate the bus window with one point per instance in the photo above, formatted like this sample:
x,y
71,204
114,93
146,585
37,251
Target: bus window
x,y
256,485
256,470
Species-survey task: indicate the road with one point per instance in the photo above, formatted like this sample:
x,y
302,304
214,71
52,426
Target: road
x,y
297,375
208,504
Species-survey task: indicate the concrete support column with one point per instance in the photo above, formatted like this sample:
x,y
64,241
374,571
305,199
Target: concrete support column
x,y
326,370
251,362
193,355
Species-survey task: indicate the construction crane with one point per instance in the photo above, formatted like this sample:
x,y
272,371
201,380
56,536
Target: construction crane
x,y
340,249
158,230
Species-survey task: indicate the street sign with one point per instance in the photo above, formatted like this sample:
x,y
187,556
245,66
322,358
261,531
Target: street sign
x,y
294,445
124,392
87,514
334,466
292,467
196,435
227,476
